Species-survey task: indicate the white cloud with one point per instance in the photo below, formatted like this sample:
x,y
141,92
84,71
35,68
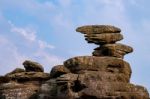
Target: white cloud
x,y
27,33
9,57
44,45
30,35
14,52
47,60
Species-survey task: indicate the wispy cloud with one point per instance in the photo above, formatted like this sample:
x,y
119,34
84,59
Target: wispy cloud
x,y
14,52
44,45
25,32
9,57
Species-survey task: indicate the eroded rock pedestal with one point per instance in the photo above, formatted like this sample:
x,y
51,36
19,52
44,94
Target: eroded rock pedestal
x,y
105,75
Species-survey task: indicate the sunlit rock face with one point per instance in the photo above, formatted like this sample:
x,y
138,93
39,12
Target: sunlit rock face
x,y
104,75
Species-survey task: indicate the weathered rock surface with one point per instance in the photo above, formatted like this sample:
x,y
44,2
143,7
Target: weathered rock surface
x,y
100,34
104,38
33,66
116,50
105,75
4,79
14,90
21,84
29,76
97,29
58,70
92,63
17,70
89,86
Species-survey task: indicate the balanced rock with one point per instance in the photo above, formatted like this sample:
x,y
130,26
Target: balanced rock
x,y
105,75
101,34
115,50
33,66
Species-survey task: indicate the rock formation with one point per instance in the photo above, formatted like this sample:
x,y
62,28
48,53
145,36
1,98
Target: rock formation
x,y
105,75
23,84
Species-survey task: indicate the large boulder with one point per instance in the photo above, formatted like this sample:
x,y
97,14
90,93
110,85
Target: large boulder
x,y
58,70
93,63
31,66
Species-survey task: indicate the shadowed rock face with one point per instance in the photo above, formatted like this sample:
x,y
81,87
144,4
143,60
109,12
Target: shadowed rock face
x,y
105,75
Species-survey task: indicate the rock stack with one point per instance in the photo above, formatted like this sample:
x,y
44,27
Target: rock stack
x,y
23,84
105,75
106,37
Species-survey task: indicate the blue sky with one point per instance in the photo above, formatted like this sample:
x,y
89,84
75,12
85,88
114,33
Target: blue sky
x,y
44,31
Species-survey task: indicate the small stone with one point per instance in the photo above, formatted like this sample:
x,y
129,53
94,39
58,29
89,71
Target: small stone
x,y
116,50
98,29
31,66
104,38
58,70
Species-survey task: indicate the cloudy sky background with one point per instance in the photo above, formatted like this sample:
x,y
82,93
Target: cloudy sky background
x,y
44,31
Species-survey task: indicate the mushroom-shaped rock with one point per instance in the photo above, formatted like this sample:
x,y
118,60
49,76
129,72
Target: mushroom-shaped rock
x,y
31,66
101,34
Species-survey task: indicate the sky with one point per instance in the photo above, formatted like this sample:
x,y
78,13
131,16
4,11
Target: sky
x,y
44,31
